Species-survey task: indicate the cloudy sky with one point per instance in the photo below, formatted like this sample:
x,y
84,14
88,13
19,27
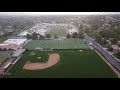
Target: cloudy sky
x,y
57,13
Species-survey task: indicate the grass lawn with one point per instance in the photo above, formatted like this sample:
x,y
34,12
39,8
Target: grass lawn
x,y
116,56
57,44
73,64
2,58
58,31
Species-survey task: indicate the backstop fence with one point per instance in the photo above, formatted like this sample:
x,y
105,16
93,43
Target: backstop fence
x,y
109,57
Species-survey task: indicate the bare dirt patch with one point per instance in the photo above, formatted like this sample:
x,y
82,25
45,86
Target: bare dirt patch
x,y
53,59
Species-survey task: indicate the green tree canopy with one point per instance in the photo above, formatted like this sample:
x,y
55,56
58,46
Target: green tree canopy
x,y
75,35
48,35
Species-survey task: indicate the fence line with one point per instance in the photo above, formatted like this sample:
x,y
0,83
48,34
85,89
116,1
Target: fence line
x,y
17,59
109,57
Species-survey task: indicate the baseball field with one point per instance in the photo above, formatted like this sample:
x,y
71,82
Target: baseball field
x,y
57,44
72,64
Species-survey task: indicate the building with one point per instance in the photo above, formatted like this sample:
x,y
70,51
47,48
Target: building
x,y
71,31
9,46
43,28
23,34
19,42
13,44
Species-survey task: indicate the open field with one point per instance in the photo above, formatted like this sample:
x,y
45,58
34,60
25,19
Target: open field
x,y
2,58
72,64
57,44
58,31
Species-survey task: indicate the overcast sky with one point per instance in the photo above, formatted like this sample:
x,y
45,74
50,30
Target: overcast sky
x,y
57,13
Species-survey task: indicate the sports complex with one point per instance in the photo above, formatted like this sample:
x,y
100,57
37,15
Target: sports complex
x,y
79,63
54,58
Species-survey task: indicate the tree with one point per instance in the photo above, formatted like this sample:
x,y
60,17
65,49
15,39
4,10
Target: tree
x,y
86,30
103,41
108,33
14,27
28,36
97,36
117,29
34,35
41,37
110,48
68,35
118,54
48,35
118,44
75,35
55,36
102,33
80,35
113,41
81,27
94,34
118,38
4,49
107,45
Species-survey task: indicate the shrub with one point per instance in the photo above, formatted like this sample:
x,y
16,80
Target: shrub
x,y
118,44
118,54
110,48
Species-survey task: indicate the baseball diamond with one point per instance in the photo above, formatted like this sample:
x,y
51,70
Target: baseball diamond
x,y
72,64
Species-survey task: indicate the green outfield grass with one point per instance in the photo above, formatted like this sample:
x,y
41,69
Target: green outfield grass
x,y
72,64
57,44
3,58
58,31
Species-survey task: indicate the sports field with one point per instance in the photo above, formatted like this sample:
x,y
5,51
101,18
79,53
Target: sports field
x,y
72,64
57,44
58,32
2,58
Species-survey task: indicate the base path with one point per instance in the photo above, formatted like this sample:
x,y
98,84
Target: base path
x,y
53,59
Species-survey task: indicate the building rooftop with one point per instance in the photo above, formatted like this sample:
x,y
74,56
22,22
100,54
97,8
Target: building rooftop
x,y
15,41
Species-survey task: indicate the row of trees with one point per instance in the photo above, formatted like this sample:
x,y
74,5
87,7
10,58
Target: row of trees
x,y
48,36
112,31
37,36
104,35
76,35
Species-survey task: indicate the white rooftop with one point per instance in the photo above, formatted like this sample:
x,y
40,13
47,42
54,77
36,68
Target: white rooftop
x,y
24,33
15,41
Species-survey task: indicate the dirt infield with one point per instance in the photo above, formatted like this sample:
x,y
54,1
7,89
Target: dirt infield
x,y
53,59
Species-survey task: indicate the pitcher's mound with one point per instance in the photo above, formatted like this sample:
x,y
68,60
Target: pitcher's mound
x,y
53,59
